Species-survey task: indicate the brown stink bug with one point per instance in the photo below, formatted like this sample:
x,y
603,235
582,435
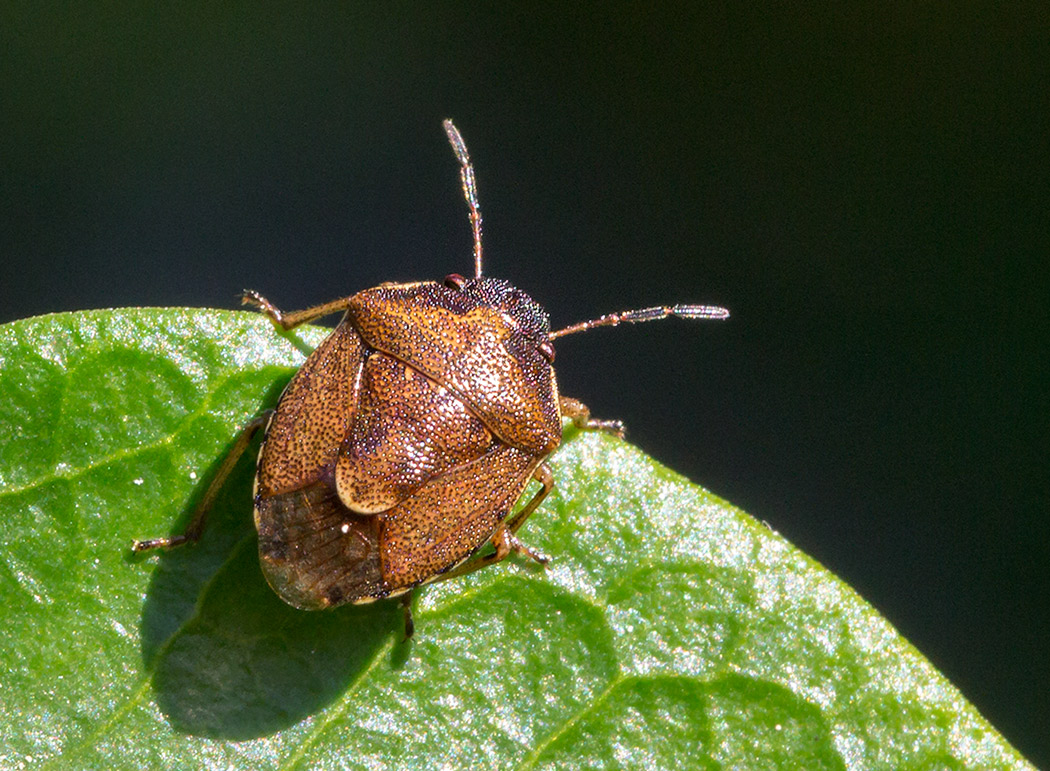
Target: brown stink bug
x,y
398,450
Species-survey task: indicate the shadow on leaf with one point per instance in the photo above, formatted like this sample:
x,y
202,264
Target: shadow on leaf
x,y
229,659
247,664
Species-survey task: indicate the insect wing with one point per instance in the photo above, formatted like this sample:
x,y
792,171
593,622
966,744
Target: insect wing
x,y
315,553
452,516
408,429
313,415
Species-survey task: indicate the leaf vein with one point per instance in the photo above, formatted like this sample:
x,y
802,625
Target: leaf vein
x,y
572,720
72,474
337,711
150,668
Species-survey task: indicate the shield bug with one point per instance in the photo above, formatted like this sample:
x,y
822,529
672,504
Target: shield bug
x,y
398,450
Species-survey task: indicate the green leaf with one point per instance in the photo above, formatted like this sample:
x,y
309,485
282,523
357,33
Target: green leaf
x,y
670,630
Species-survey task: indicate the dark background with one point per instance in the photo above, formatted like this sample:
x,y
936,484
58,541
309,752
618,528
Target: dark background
x,y
867,188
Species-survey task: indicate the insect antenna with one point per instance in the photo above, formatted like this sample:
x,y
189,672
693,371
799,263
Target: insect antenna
x,y
470,188
645,314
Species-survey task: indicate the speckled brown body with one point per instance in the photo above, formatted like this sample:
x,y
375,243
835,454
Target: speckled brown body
x,y
402,443
400,447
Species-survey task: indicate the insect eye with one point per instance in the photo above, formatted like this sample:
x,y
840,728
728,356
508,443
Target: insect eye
x,y
547,350
454,281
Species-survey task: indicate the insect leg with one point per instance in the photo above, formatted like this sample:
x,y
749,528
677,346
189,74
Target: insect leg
x,y
200,514
406,605
504,539
580,415
543,475
287,320
505,542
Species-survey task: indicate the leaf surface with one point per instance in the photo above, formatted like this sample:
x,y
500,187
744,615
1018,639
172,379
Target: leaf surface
x,y
670,630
